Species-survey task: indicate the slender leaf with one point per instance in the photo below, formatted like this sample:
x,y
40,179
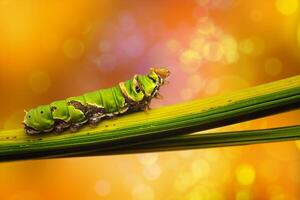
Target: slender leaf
x,y
161,123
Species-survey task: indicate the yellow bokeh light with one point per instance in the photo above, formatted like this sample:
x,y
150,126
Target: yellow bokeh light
x,y
190,57
273,66
102,188
206,27
246,46
39,82
245,174
152,172
197,44
73,48
230,49
142,192
252,46
205,192
287,7
213,51
200,168
183,181
148,158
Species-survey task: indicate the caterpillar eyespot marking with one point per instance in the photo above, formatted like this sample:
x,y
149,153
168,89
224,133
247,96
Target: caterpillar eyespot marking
x,y
137,89
90,108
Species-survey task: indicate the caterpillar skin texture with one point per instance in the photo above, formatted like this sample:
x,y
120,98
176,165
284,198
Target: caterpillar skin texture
x,y
129,96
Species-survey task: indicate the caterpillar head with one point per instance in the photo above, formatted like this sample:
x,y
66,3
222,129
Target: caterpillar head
x,y
151,82
142,88
38,119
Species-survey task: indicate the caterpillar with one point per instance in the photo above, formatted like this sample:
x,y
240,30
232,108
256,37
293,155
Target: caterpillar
x,y
90,108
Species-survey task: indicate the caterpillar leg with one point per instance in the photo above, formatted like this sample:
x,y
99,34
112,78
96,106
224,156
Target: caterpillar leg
x,y
60,126
75,127
94,121
31,131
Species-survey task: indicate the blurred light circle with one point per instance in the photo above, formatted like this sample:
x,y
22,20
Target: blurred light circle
x,y
183,181
104,46
213,51
186,93
212,155
133,46
142,192
287,7
190,57
102,188
229,45
245,174
197,44
206,27
73,48
107,62
273,66
152,172
205,192
246,46
39,82
191,60
127,22
200,168
148,158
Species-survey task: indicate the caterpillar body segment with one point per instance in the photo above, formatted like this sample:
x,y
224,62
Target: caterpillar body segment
x,y
128,96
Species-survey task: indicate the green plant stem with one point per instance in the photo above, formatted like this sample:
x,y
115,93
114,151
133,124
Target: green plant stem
x,y
208,140
157,124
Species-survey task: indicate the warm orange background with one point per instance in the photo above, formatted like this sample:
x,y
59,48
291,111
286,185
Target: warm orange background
x,y
51,50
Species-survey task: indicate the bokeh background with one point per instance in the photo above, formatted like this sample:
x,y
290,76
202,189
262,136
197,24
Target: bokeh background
x,y
51,50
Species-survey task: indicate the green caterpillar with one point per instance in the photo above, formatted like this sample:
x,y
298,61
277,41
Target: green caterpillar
x,y
129,96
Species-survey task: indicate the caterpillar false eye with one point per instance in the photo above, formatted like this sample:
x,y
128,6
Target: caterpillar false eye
x,y
137,89
92,107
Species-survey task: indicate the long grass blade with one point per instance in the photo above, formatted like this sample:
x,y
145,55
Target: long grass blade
x,y
159,123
